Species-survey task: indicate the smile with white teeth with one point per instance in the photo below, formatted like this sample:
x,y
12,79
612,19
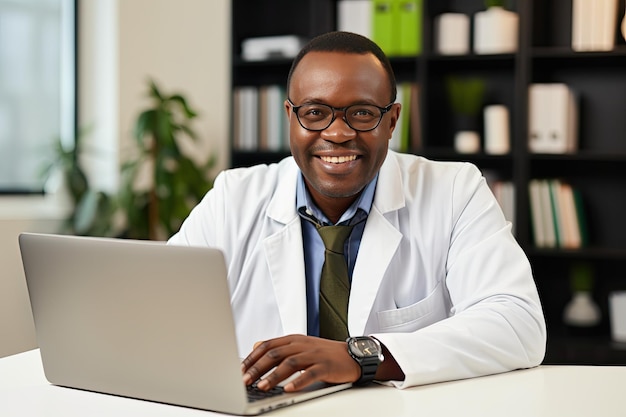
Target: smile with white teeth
x,y
338,159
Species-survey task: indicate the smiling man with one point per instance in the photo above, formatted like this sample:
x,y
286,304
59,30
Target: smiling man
x,y
426,284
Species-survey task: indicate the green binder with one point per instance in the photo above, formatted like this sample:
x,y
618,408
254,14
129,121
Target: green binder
x,y
383,25
409,23
397,26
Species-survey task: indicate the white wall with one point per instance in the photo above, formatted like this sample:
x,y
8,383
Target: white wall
x,y
183,45
34,214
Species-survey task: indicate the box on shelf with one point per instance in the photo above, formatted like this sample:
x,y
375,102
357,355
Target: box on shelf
x,y
271,47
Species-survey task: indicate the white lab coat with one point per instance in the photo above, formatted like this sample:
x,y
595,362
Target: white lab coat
x,y
439,279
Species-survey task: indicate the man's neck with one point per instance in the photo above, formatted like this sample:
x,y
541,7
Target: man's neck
x,y
333,207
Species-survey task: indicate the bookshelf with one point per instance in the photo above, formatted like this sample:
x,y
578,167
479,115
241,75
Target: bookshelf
x,y
543,55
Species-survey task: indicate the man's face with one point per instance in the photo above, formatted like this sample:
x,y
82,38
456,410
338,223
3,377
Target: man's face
x,y
339,162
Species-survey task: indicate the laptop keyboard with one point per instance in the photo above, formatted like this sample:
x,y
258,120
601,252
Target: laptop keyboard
x,y
255,394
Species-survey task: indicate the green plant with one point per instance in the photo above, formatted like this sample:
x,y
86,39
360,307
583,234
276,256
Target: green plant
x,y
581,277
176,182
466,95
494,3
91,209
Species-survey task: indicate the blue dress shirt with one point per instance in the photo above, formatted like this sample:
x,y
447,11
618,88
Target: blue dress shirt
x,y
311,215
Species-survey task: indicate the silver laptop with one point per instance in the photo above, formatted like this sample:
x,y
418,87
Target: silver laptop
x,y
140,319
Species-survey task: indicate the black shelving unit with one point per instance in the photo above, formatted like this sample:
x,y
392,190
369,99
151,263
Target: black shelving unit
x,y
544,55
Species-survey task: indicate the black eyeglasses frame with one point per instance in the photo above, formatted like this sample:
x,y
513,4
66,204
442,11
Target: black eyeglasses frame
x,y
383,110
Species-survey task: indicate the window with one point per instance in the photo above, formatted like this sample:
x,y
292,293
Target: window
x,y
37,88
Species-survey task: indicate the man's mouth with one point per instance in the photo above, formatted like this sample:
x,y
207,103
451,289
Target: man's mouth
x,y
338,159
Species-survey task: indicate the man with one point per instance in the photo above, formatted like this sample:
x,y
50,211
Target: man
x,y
437,281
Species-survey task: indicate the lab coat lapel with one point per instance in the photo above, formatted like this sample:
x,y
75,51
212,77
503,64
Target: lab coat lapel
x,y
285,255
380,241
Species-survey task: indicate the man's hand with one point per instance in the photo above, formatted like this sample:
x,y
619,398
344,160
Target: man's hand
x,y
318,359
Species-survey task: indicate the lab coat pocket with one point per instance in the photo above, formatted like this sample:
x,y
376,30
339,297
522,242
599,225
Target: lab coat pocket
x,y
415,316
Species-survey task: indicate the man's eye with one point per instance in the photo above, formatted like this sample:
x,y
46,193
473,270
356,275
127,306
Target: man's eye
x,y
362,112
315,112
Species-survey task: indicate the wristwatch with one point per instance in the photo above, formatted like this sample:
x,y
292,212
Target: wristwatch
x,y
368,353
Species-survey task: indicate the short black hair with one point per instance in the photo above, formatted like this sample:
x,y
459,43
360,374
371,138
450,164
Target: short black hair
x,y
346,42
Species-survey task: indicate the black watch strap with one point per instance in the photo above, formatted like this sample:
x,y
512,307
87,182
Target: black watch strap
x,y
369,366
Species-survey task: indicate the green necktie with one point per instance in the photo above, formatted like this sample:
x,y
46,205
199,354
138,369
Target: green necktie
x,y
334,284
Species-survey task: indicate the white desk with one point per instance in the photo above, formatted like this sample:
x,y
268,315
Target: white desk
x,y
545,391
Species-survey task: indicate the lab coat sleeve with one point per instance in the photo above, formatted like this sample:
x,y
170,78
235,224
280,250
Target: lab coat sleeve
x,y
496,322
205,224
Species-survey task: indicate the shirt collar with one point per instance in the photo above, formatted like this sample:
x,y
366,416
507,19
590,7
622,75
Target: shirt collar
x,y
355,213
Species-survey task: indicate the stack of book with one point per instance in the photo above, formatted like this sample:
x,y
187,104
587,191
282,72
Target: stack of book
x,y
407,134
594,24
395,25
552,118
259,120
557,214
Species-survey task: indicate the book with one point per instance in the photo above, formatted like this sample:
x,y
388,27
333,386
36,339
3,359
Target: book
x,y
547,214
271,113
572,238
594,23
558,219
246,118
397,140
415,127
581,217
536,215
581,28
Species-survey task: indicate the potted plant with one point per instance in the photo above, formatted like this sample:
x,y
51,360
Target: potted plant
x,y
176,182
91,209
466,99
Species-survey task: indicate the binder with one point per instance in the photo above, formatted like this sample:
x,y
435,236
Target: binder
x,y
383,25
553,119
355,16
408,20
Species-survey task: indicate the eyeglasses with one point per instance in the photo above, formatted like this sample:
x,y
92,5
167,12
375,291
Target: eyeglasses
x,y
360,117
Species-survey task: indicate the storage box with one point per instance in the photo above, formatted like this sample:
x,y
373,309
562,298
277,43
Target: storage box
x,y
271,47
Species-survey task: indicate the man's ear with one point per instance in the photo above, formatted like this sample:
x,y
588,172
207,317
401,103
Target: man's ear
x,y
394,116
287,109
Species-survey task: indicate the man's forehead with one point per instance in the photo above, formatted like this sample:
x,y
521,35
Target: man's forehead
x,y
325,70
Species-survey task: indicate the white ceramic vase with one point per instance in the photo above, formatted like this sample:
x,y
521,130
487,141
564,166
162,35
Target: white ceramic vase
x,y
467,141
581,311
495,31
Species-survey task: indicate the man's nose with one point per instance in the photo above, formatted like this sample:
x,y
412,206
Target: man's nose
x,y
339,131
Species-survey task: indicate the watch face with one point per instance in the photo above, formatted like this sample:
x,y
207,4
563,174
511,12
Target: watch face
x,y
365,347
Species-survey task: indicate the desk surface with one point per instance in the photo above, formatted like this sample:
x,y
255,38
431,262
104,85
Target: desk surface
x,y
544,391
